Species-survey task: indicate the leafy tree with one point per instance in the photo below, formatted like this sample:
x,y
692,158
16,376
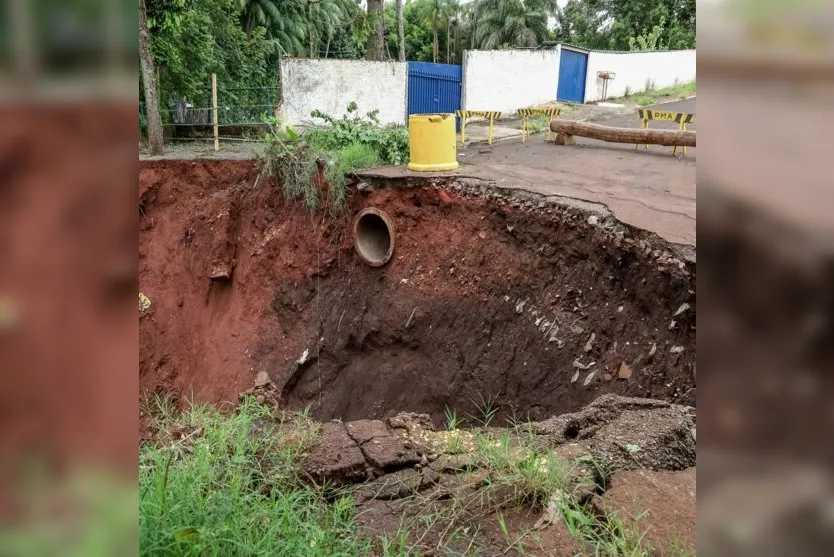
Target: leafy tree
x,y
191,40
614,24
539,26
283,20
350,38
648,41
508,23
324,19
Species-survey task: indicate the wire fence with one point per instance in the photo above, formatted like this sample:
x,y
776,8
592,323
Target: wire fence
x,y
241,106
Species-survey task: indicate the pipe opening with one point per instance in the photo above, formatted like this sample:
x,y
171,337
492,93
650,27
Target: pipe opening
x,y
373,237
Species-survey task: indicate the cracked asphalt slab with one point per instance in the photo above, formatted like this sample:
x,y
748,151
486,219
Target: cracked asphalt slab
x,y
646,188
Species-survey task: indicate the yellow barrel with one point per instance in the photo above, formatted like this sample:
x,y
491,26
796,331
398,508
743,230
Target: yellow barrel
x,y
432,142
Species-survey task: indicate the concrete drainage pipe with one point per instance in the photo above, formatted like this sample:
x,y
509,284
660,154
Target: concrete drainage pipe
x,y
373,236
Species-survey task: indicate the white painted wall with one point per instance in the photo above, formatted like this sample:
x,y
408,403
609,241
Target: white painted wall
x,y
632,69
506,80
330,85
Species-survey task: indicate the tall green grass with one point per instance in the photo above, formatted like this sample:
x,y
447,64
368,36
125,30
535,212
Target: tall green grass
x,y
357,156
229,485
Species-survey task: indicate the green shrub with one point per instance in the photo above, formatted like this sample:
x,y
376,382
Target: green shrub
x,y
391,141
346,145
357,156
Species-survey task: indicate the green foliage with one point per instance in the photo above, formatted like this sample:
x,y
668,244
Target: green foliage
x,y
390,142
299,27
619,24
229,485
648,41
297,167
532,477
487,409
651,95
282,20
304,164
191,40
452,420
509,23
537,125
357,156
608,535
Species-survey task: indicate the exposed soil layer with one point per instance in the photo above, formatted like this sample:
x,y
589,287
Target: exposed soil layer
x,y
404,473
535,308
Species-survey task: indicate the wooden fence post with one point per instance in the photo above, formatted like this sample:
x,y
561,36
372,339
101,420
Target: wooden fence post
x,y
214,111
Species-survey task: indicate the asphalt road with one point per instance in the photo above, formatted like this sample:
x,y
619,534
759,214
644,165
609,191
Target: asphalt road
x,y
632,121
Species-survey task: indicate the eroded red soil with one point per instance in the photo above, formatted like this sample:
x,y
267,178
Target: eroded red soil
x,y
479,302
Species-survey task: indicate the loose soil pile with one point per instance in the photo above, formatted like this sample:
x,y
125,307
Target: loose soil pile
x,y
523,306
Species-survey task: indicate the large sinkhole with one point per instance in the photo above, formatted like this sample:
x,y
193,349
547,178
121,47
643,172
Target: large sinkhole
x,y
493,309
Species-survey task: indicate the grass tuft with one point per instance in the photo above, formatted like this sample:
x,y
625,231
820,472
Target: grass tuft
x,y
217,484
651,95
537,125
357,156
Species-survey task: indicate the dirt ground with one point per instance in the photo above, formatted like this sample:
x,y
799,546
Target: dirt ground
x,y
403,472
482,300
502,296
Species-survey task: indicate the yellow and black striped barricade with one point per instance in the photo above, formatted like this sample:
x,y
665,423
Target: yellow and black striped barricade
x,y
681,118
525,114
464,115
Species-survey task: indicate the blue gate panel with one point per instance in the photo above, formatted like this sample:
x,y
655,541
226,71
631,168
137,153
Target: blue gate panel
x,y
433,88
573,66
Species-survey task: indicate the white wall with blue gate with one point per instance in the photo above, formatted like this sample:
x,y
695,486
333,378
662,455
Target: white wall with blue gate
x,y
492,80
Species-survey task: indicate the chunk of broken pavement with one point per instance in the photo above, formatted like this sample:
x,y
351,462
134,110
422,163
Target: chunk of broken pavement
x,y
384,450
336,458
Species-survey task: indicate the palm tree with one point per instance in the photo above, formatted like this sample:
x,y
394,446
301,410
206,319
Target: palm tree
x,y
452,13
284,20
503,23
297,25
324,17
437,10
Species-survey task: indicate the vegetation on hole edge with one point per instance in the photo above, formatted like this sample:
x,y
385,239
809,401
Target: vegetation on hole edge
x,y
311,166
231,483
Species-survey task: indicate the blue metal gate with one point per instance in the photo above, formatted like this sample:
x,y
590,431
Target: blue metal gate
x,y
433,88
573,66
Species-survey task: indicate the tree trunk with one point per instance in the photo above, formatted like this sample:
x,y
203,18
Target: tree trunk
x,y
624,135
376,42
448,42
310,28
436,44
155,141
474,19
457,42
400,30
